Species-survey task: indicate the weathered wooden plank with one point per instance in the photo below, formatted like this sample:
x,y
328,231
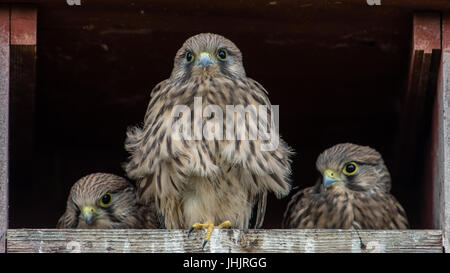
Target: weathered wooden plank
x,y
349,4
442,200
424,66
23,25
417,108
426,31
22,99
4,120
53,240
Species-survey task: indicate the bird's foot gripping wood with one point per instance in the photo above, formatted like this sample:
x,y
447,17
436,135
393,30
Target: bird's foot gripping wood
x,y
209,227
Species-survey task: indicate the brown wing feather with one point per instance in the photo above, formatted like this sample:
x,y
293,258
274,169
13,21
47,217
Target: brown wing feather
x,y
298,208
68,219
381,212
310,209
259,211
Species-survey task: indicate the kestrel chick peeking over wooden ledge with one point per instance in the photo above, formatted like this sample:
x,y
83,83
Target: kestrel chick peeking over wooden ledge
x,y
200,180
104,201
353,192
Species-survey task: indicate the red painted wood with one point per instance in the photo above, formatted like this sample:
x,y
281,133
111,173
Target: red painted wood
x,y
427,31
23,25
413,142
426,37
22,99
446,32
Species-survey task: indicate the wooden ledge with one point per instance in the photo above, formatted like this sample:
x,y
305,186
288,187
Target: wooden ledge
x,y
275,240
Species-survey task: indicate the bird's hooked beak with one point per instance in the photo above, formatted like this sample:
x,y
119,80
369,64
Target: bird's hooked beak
x,y
205,60
89,214
330,178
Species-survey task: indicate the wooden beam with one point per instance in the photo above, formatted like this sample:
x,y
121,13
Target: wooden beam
x,y
417,108
4,121
22,101
23,25
53,240
426,31
442,181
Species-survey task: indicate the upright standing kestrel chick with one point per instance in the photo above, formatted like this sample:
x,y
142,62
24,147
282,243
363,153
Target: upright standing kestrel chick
x,y
198,179
352,193
103,200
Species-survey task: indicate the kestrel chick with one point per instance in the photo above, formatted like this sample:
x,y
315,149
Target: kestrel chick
x,y
104,201
208,180
352,193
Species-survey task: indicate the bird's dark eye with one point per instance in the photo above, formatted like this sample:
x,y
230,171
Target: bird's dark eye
x,y
222,54
106,200
189,57
350,168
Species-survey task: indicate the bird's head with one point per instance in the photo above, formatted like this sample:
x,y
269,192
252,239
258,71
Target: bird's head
x,y
207,54
102,200
352,167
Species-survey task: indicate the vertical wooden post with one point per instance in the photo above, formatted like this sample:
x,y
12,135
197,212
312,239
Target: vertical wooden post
x,y
417,108
22,101
442,201
17,62
4,121
23,25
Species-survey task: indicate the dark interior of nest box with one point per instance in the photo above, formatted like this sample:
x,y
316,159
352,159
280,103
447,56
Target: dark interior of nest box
x,y
337,71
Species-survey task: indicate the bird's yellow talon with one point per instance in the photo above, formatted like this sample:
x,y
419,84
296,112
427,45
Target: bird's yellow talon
x,y
195,227
209,226
226,224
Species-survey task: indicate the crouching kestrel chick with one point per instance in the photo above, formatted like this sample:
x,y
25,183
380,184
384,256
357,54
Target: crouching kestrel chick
x,y
353,192
104,201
